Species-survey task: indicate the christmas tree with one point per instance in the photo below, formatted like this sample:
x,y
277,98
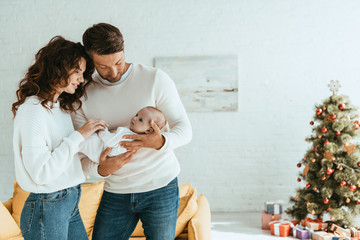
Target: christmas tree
x,y
331,167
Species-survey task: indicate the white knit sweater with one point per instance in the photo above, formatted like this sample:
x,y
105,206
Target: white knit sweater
x,y
45,148
144,86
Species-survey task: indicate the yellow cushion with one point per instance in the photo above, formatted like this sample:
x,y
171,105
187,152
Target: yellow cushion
x,y
8,227
199,227
187,208
19,198
184,190
90,198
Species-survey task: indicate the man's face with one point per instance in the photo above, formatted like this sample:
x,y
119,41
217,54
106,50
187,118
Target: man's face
x,y
111,66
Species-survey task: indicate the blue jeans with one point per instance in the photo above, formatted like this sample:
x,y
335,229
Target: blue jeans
x,y
53,216
118,214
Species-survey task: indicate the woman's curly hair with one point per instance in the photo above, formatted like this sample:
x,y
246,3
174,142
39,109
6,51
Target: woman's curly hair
x,y
51,70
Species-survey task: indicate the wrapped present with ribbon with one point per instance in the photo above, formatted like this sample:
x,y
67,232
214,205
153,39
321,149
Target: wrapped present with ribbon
x,y
266,218
281,227
274,207
317,220
301,232
339,231
316,225
321,235
355,232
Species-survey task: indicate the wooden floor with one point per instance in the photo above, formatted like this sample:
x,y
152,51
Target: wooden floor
x,y
239,226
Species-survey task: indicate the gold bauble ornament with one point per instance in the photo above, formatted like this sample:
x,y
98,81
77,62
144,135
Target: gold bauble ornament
x,y
297,196
306,139
347,200
307,203
319,136
313,160
313,212
332,219
315,188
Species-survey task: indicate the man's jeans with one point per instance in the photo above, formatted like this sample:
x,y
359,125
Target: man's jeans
x,y
53,216
118,214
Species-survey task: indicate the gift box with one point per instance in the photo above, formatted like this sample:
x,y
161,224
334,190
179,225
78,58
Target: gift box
x,y
341,238
266,218
316,226
321,235
273,207
317,220
355,232
341,232
281,228
301,232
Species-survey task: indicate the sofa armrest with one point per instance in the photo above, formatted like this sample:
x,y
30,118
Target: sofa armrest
x,y
199,227
8,205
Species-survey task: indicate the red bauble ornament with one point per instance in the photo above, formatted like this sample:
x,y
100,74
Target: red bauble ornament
x,y
311,123
298,165
319,111
341,106
315,149
329,171
324,129
326,201
358,201
352,188
343,183
299,180
326,142
357,122
323,178
333,116
356,126
358,164
338,133
308,185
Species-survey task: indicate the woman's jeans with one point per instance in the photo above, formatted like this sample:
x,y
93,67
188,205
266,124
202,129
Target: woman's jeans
x,y
53,216
118,214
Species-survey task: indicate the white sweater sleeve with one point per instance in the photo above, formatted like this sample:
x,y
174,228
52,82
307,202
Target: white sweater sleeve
x,y
41,162
88,165
169,102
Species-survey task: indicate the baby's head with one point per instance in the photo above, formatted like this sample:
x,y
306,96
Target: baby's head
x,y
140,123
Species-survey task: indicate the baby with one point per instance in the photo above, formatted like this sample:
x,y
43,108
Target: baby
x,y
139,124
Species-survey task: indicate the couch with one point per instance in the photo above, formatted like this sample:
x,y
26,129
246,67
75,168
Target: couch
x,y
193,217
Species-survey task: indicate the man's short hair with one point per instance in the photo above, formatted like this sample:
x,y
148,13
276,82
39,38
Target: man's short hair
x,y
103,39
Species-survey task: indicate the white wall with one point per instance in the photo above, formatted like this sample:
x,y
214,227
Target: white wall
x,y
288,51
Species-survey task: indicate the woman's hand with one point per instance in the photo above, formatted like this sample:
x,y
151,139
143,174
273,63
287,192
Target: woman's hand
x,y
92,126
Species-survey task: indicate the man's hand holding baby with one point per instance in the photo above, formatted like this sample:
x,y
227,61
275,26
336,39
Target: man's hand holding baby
x,y
150,140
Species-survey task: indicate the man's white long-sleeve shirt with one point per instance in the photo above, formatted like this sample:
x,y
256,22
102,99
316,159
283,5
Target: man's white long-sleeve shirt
x,y
116,104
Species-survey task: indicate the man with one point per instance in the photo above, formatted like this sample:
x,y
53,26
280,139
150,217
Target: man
x,y
145,188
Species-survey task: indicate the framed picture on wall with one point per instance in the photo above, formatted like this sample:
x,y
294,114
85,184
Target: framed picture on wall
x,y
205,83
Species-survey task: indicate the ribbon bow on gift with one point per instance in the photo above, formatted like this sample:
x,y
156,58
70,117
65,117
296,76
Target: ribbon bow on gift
x,y
278,223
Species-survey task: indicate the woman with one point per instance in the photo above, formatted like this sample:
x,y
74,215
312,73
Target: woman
x,y
45,143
